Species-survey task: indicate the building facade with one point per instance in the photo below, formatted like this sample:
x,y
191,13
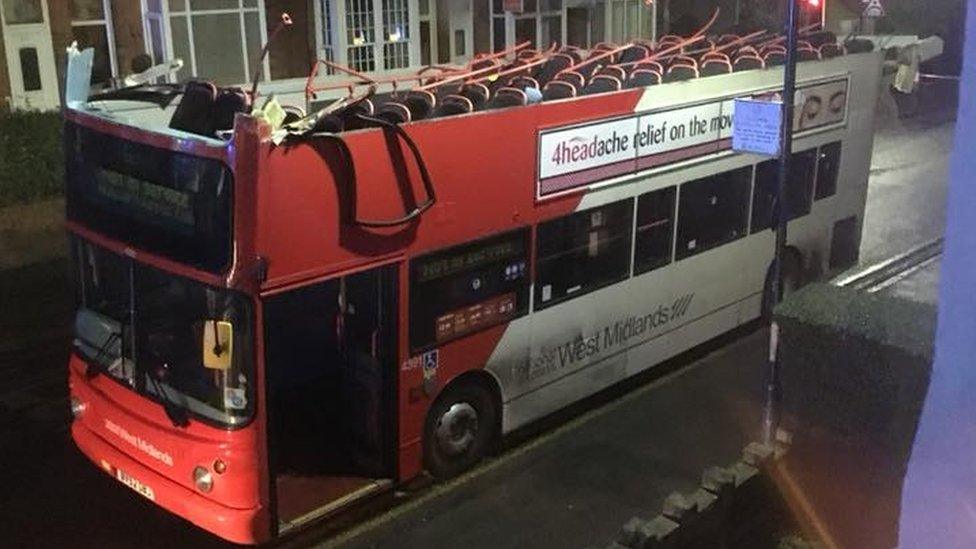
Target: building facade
x,y
222,39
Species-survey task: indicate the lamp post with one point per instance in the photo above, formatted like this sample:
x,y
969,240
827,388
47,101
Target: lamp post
x,y
771,384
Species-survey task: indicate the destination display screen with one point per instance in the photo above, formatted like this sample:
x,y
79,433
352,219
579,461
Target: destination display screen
x,y
156,204
162,201
468,288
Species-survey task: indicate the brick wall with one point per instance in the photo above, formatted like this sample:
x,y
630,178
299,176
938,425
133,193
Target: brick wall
x,y
127,21
60,35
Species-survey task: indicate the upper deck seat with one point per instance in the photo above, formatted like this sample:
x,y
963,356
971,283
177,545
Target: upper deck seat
x,y
830,50
650,65
557,63
746,50
573,77
477,93
421,104
820,38
574,52
558,89
643,77
858,45
680,71
634,53
774,58
451,105
748,62
508,97
807,54
613,70
394,112
714,67
522,82
348,118
714,55
602,83
681,59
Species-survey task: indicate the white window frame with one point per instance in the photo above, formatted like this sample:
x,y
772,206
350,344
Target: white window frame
x,y
191,64
109,33
431,19
643,15
538,15
340,45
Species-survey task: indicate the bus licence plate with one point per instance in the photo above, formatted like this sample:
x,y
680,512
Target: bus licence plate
x,y
124,478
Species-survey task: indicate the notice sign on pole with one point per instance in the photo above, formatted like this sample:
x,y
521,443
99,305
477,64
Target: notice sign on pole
x,y
757,126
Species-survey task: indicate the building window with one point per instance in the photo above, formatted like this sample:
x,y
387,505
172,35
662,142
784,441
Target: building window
x,y
712,211
629,19
828,168
655,230
91,27
582,252
428,39
540,23
373,45
468,288
217,39
799,189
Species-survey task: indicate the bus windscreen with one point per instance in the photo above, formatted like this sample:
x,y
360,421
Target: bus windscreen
x,y
162,201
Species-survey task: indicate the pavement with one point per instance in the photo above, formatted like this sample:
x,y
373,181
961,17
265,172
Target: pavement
x,y
574,485
920,284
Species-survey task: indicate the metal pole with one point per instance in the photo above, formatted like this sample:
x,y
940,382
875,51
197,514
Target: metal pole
x,y
772,388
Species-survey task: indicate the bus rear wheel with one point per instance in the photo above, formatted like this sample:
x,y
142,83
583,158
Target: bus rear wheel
x,y
459,429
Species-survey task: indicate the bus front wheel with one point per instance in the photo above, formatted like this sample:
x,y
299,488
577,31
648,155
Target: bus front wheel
x,y
459,429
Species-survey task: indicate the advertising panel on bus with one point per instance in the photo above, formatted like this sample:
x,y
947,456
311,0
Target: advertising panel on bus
x,y
571,158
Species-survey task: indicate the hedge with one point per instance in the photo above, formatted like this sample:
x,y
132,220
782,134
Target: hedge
x,y
31,158
855,371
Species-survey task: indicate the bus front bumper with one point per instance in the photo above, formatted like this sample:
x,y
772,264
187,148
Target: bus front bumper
x,y
236,525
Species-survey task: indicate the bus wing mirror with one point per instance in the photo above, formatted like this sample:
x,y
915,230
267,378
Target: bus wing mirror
x,y
218,344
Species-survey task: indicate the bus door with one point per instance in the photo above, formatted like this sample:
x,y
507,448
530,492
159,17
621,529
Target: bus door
x,y
331,375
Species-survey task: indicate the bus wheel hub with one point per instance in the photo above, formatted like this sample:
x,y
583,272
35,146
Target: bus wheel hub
x,y
457,429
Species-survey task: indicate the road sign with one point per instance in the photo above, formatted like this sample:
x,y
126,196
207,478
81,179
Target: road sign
x,y
873,8
756,126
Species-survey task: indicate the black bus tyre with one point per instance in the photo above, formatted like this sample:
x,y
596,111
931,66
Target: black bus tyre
x,y
791,280
459,430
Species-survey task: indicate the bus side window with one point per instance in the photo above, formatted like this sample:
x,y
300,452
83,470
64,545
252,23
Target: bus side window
x,y
468,288
828,167
713,211
583,251
655,228
799,189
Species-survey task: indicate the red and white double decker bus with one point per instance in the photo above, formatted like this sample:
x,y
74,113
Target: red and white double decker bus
x,y
252,354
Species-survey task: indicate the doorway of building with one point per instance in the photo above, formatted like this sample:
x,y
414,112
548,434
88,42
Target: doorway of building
x,y
30,54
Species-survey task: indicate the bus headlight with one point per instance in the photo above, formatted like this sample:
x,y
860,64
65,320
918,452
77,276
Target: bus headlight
x,y
202,478
77,407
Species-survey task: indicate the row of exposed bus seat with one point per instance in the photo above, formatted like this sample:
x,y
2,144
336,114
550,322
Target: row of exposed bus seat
x,y
632,67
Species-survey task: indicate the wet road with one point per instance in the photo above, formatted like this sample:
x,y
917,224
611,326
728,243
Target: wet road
x,y
552,487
